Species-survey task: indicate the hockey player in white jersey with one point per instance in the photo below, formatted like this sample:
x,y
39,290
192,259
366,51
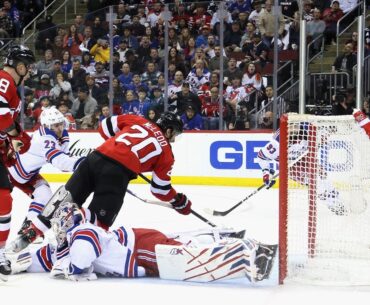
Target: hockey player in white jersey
x,y
49,144
85,250
297,151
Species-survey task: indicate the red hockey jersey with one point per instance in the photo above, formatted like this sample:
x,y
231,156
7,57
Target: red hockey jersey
x,y
140,146
10,103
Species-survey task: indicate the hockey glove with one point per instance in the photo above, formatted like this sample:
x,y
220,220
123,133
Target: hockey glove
x,y
181,204
267,177
20,143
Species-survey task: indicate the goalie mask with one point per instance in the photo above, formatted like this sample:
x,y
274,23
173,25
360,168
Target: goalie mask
x,y
66,217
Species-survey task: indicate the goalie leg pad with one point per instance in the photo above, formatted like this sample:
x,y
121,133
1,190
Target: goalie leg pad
x,y
205,263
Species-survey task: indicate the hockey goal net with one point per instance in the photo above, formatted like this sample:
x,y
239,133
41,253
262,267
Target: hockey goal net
x,y
324,199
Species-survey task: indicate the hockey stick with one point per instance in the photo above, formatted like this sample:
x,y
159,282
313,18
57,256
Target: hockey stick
x,y
157,202
263,186
224,213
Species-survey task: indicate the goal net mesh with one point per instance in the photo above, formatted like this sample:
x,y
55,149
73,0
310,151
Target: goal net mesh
x,y
324,200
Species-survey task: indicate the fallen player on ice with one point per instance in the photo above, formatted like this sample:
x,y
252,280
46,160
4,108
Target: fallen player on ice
x,y
85,250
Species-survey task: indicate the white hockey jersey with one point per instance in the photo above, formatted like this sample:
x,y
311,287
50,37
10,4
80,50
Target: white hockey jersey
x,y
109,253
270,152
45,148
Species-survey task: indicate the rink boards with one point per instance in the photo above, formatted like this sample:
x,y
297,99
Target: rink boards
x,y
202,158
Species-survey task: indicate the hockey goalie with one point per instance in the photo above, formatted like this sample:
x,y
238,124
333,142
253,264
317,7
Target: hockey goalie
x,y
84,251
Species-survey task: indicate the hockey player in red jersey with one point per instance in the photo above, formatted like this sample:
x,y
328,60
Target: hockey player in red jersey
x,y
133,145
362,120
12,138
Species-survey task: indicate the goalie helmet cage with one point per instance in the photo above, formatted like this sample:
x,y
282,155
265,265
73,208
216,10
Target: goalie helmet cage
x,y
324,214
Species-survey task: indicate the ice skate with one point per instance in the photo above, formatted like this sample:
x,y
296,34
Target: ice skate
x,y
265,256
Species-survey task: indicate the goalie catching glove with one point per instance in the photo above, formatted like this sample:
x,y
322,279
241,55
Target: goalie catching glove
x,y
181,204
267,177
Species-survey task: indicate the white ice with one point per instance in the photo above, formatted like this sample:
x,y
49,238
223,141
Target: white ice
x,y
259,216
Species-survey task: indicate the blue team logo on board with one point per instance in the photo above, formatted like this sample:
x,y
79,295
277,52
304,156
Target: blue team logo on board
x,y
233,154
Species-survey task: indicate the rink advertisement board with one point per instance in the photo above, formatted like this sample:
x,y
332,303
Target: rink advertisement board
x,y
221,158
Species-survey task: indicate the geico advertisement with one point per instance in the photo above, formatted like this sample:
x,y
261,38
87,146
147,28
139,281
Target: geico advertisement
x,y
196,154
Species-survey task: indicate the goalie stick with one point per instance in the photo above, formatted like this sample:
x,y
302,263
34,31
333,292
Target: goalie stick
x,y
167,204
263,186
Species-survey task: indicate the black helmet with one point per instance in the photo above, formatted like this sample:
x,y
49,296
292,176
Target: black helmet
x,y
170,120
19,53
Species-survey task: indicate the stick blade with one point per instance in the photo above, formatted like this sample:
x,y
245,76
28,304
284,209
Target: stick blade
x,y
215,213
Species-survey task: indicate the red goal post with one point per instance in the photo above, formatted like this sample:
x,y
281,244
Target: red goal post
x,y
324,201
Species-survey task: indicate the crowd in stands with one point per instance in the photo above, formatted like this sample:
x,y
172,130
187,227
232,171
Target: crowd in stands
x,y
73,73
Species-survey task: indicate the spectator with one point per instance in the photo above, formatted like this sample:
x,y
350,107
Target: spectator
x,y
176,84
354,41
132,40
56,69
155,14
233,38
235,93
178,102
136,83
90,121
12,11
255,14
95,91
79,24
331,16
288,8
84,104
202,39
251,77
190,49
101,50
239,119
157,100
238,6
61,85
88,40
97,29
175,58
88,63
122,49
105,112
250,29
6,24
154,57
143,53
152,114
76,75
64,109
122,17
118,97
232,70
72,41
66,62
144,102
256,51
267,120
117,64
131,104
266,23
101,76
315,28
29,103
308,10
150,76
45,66
191,119
211,109
214,63
366,106
57,47
43,103
43,87
343,104
126,76
346,61
46,33
65,98
198,76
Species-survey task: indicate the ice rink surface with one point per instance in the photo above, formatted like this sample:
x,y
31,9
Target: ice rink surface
x,y
259,216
